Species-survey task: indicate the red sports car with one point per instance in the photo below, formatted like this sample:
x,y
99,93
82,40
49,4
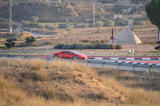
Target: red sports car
x,y
69,54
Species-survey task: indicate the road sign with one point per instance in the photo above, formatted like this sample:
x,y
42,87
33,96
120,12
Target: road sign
x,y
132,51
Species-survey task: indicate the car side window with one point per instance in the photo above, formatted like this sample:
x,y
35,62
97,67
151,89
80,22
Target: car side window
x,y
64,52
67,52
71,53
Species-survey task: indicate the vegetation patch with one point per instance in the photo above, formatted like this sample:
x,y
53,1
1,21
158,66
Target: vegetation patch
x,y
88,45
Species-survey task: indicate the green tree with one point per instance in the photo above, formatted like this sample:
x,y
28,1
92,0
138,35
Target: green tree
x,y
153,13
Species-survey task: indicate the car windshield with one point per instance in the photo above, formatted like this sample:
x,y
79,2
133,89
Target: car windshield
x,y
76,52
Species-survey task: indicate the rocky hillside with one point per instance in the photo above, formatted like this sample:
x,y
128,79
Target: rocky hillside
x,y
77,11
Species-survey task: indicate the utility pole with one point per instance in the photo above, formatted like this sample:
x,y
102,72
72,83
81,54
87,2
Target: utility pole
x,y
94,14
112,37
10,16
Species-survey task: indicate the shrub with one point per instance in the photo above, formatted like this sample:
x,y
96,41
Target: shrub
x,y
157,47
51,26
25,23
34,19
118,46
69,26
67,46
82,25
109,22
10,42
121,23
30,39
99,24
158,42
48,43
84,41
58,46
93,45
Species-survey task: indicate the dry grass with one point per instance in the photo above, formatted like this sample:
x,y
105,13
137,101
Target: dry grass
x,y
62,83
133,86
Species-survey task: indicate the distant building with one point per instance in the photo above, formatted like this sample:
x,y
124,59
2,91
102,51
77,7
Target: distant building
x,y
124,2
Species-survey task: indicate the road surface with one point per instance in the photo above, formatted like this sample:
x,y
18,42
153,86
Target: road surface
x,y
148,64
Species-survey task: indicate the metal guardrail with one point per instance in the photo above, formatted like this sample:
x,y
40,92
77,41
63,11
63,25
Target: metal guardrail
x,y
116,62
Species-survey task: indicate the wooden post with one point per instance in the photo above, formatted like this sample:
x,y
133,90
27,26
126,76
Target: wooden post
x,y
158,37
112,35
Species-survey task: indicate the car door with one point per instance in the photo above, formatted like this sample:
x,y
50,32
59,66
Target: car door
x,y
70,55
63,54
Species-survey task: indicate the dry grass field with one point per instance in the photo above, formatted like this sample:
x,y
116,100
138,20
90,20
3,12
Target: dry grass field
x,y
61,83
147,33
140,50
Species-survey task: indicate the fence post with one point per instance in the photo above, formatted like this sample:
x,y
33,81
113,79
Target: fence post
x,y
102,65
133,67
118,66
150,68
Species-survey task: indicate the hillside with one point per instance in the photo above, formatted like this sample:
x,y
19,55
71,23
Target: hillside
x,y
59,80
78,11
61,83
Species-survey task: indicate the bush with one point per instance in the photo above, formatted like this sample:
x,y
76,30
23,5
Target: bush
x,y
121,23
84,41
30,39
158,42
82,25
58,46
25,23
99,24
51,26
34,19
118,46
95,45
10,42
157,47
48,43
67,46
69,26
108,22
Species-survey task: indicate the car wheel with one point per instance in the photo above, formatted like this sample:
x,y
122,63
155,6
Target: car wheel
x,y
56,57
75,57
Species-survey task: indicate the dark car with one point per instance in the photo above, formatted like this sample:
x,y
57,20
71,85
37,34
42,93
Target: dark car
x,y
69,54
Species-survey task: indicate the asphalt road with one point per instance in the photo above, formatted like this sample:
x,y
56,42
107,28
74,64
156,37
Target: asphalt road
x,y
145,64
